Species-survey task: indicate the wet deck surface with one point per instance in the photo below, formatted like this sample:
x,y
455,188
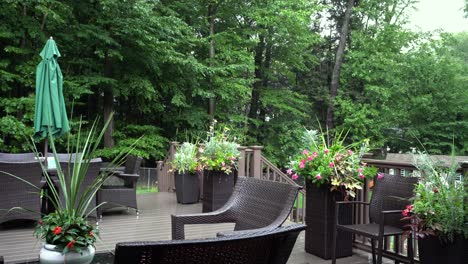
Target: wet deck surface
x,y
17,243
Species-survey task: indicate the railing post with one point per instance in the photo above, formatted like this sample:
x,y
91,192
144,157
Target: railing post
x,y
170,173
256,162
241,162
159,165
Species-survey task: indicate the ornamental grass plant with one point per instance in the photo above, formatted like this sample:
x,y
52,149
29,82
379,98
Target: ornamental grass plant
x,y
220,151
439,206
185,159
326,160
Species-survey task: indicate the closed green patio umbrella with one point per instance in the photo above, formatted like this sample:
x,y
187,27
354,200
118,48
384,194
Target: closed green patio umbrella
x,y
50,113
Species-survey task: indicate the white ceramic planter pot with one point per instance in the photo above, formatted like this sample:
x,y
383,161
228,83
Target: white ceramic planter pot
x,y
50,255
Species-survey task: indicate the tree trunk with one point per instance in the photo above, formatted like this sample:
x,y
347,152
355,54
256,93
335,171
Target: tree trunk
x,y
211,19
335,79
108,106
257,86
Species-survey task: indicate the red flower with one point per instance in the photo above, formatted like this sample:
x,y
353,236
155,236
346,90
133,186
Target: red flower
x,y
70,244
436,190
409,207
40,222
91,233
57,230
405,212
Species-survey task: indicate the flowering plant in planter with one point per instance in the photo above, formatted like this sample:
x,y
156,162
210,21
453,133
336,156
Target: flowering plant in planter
x,y
185,158
220,151
438,207
331,162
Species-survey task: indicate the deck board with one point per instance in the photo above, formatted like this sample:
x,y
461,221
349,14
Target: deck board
x,y
17,243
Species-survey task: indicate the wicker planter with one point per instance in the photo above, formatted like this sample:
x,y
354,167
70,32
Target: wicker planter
x,y
320,216
187,187
433,251
217,188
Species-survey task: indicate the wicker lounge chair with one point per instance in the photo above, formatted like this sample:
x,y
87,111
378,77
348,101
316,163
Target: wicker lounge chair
x,y
388,200
253,204
272,246
120,189
16,193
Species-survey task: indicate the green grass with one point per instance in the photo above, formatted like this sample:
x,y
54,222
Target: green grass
x,y
141,190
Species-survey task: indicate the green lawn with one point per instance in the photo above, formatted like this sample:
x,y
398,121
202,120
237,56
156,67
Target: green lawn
x,y
141,190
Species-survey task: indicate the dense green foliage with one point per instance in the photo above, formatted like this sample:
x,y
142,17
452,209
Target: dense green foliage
x,y
265,64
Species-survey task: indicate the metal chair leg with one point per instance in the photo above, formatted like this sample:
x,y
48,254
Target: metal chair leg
x,y
380,249
374,261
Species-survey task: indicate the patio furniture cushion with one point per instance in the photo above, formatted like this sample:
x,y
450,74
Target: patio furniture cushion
x,y
272,246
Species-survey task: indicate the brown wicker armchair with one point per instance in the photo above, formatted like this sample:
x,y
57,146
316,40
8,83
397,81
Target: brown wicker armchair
x,y
120,189
389,198
16,193
272,246
253,204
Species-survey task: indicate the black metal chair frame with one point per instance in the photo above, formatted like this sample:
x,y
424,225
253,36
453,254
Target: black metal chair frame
x,y
388,199
254,204
271,246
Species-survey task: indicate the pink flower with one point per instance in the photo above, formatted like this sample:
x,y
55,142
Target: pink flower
x,y
289,172
405,212
315,154
361,176
294,176
310,158
318,176
359,170
305,152
326,151
364,164
409,207
331,165
350,152
380,175
301,165
223,164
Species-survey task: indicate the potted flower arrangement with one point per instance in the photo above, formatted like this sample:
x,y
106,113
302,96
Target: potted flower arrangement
x,y
219,159
186,166
333,172
438,212
68,236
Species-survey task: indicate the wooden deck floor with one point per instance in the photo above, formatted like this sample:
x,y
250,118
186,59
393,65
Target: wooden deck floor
x,y
17,243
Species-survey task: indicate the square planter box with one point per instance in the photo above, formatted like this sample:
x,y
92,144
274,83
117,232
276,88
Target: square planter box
x,y
320,218
217,188
433,251
187,187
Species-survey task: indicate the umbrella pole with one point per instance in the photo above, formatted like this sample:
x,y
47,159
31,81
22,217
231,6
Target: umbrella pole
x,y
46,150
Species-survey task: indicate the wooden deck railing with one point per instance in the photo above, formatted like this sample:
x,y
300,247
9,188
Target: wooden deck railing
x,y
253,164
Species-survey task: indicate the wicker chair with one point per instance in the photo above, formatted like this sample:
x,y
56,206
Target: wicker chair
x,y
253,204
271,246
91,174
120,189
16,193
389,198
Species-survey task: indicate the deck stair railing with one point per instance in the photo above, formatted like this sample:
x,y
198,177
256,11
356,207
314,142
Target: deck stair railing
x,y
253,164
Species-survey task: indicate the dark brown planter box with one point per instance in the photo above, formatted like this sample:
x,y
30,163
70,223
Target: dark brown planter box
x,y
187,187
217,188
320,218
434,251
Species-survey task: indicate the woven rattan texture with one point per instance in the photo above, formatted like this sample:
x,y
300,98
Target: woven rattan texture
x,y
254,204
16,193
271,246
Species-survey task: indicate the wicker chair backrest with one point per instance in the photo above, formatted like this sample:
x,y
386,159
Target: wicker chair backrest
x,y
391,192
91,174
258,203
266,247
18,157
132,164
16,193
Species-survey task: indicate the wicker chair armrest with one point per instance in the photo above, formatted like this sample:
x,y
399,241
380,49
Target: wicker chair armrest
x,y
353,202
179,221
391,212
246,232
126,176
111,170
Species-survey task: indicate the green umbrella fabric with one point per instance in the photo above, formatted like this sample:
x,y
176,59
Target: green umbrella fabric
x,y
50,105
